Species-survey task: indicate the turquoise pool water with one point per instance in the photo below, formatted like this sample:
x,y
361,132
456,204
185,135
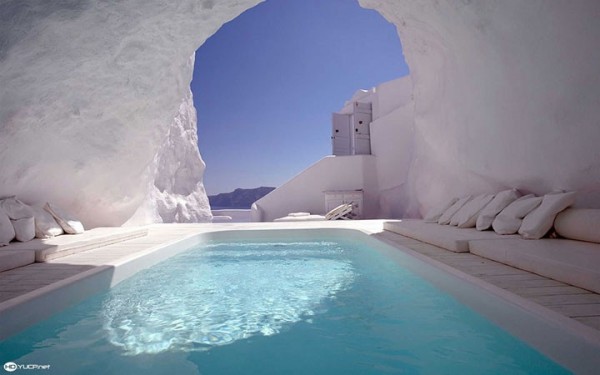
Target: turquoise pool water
x,y
314,307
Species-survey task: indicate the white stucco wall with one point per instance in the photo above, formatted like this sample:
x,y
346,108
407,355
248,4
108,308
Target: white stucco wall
x,y
383,176
305,192
392,143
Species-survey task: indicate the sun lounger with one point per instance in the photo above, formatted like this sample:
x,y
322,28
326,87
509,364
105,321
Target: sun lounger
x,y
340,212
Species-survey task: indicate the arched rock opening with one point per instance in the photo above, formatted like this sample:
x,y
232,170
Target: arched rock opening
x,y
96,112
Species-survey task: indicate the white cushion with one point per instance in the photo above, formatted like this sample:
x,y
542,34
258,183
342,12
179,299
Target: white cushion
x,y
447,215
15,209
302,218
45,225
581,224
467,216
7,232
539,221
454,218
509,220
572,262
68,223
444,236
24,229
465,211
434,214
501,201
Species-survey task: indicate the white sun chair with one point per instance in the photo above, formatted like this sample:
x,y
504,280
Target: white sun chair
x,y
340,212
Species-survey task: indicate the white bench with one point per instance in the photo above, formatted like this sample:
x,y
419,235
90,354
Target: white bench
x,y
10,259
569,261
572,262
444,236
60,246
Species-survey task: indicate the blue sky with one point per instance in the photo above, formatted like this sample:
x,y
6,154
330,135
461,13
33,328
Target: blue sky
x,y
266,83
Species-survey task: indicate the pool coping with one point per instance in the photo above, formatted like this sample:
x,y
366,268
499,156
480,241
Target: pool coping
x,y
31,307
526,333
39,304
584,331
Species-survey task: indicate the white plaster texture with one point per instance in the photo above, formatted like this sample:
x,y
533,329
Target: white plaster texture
x,y
305,191
392,144
382,176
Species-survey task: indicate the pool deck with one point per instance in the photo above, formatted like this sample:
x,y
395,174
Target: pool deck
x,y
567,300
577,304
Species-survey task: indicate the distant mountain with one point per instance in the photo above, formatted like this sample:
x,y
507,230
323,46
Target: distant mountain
x,y
239,198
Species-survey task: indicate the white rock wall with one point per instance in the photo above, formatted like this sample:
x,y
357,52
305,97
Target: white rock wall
x,y
95,105
507,93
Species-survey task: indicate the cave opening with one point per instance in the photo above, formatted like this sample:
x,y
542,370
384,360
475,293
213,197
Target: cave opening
x,y
266,83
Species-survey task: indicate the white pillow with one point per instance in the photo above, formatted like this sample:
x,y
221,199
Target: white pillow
x,y
447,215
45,225
539,221
464,213
455,217
7,232
434,214
500,202
467,216
581,224
68,223
509,220
15,209
24,229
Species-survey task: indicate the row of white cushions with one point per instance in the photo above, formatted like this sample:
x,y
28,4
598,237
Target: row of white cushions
x,y
539,221
581,224
467,216
45,225
7,231
22,222
21,219
65,219
509,219
491,211
506,212
433,216
446,217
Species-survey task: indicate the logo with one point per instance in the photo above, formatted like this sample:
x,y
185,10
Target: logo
x,y
10,366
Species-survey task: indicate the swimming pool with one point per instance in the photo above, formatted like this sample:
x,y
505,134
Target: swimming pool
x,y
277,302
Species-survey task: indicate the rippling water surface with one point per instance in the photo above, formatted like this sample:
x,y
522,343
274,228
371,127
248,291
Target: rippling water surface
x,y
314,307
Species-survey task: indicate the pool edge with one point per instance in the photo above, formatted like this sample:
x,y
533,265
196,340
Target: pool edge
x,y
65,293
551,346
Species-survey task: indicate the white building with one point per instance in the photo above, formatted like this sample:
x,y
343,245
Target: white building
x,y
372,139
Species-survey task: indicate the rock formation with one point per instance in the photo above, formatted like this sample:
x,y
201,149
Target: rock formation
x,y
96,112
506,94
